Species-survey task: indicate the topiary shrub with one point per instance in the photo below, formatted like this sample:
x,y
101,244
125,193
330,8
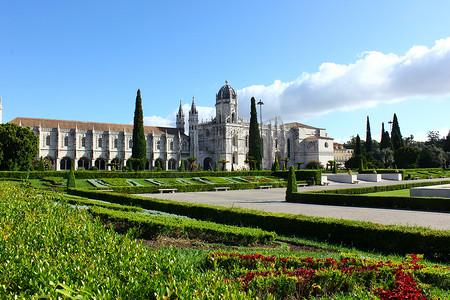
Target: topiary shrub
x,y
291,184
71,182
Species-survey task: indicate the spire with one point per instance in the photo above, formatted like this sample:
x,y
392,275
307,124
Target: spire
x,y
193,108
180,110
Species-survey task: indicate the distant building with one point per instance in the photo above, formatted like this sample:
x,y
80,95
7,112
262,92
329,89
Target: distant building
x,y
224,137
341,154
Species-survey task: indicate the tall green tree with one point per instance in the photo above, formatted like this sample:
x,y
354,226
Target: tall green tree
x,y
407,157
71,181
18,146
368,137
254,137
358,148
291,183
139,150
385,142
396,135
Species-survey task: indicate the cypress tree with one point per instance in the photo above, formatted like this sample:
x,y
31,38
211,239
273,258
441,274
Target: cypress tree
x,y
358,149
385,139
71,182
216,168
361,166
277,165
368,137
254,136
139,150
291,184
334,167
182,168
396,136
199,167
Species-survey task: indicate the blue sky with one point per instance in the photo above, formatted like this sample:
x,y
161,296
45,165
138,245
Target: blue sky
x,y
324,63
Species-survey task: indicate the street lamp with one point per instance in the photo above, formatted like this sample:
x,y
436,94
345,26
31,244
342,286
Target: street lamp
x,y
260,103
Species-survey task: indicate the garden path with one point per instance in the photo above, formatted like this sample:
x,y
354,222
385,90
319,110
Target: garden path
x,y
273,200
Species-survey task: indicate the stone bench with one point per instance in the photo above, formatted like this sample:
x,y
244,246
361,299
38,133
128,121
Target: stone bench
x,y
356,182
265,187
167,190
301,184
221,188
416,178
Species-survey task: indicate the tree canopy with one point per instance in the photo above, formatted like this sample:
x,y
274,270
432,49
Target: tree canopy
x,y
18,147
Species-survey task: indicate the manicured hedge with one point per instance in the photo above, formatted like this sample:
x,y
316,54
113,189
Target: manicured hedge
x,y
149,226
434,244
413,203
356,197
118,174
190,187
381,188
85,201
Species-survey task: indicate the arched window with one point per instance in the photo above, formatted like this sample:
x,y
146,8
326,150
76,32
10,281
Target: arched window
x,y
65,163
100,142
171,145
47,140
158,145
233,118
130,144
83,142
100,164
172,164
66,141
116,143
246,141
276,144
234,141
289,148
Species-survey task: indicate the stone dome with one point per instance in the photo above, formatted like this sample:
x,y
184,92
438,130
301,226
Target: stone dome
x,y
226,93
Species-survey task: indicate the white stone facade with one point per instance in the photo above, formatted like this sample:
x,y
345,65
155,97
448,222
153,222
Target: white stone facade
x,y
225,137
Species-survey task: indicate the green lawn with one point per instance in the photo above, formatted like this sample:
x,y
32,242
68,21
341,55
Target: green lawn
x,y
397,193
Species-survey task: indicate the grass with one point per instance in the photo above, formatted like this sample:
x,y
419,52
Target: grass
x,y
397,193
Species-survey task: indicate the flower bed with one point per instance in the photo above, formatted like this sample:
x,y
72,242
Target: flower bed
x,y
286,277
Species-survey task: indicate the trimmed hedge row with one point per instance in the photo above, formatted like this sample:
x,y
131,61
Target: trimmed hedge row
x,y
381,188
189,187
76,200
422,203
434,244
151,226
356,197
301,174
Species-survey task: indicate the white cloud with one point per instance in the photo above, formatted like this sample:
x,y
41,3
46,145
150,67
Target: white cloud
x,y
159,121
374,78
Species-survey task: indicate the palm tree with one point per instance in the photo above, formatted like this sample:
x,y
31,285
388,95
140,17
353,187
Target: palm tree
x,y
223,161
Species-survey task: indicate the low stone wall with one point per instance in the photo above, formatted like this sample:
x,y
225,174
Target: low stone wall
x,y
442,191
392,176
343,178
370,177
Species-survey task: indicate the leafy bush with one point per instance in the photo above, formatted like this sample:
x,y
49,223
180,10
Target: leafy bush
x,y
151,226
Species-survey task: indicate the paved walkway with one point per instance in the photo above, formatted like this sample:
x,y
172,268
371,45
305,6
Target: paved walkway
x,y
272,200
